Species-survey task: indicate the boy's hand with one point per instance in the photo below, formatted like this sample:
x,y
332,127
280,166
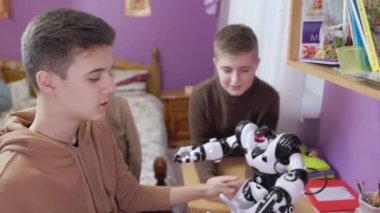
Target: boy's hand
x,y
226,184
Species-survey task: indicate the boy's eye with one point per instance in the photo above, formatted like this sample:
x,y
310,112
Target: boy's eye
x,y
94,77
227,70
245,69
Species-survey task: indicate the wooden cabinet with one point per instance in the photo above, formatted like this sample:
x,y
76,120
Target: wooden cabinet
x,y
176,114
325,72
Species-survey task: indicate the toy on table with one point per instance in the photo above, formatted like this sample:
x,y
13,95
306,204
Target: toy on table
x,y
279,174
316,167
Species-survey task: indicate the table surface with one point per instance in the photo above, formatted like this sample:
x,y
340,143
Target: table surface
x,y
235,166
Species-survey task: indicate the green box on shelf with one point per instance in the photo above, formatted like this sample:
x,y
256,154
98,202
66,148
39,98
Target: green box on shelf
x,y
353,59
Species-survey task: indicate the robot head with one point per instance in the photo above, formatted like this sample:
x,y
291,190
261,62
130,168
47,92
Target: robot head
x,y
261,138
264,135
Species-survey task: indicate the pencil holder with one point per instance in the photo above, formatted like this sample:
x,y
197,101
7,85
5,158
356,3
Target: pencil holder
x,y
364,206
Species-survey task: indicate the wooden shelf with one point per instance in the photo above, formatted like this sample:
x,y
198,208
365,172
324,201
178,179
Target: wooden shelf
x,y
324,72
329,74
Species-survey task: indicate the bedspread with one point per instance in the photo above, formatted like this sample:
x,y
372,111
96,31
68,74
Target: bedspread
x,y
147,111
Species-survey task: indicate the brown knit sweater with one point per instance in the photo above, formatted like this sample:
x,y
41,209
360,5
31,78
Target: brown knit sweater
x,y
214,114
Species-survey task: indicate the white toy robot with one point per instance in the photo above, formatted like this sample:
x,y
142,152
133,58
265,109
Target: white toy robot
x,y
279,175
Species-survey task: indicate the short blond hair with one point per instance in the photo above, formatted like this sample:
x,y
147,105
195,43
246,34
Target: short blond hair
x,y
235,39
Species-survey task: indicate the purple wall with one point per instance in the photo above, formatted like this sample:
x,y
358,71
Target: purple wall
x,y
350,135
181,30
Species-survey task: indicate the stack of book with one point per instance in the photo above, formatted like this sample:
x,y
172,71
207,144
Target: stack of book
x,y
363,21
318,168
330,174
362,17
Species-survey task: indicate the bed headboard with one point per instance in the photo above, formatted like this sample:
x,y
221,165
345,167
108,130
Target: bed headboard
x,y
12,70
153,84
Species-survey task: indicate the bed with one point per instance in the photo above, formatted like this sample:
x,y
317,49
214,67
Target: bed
x,y
140,87
21,93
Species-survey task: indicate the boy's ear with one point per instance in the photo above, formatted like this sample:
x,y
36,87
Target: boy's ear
x,y
258,61
45,81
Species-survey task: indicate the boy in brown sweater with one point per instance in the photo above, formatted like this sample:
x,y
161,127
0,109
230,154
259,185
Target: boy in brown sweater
x,y
218,104
60,156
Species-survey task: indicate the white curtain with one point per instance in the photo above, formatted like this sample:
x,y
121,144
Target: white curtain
x,y
269,19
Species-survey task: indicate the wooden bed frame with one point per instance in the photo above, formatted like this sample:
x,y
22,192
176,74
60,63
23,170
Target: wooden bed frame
x,y
153,69
12,70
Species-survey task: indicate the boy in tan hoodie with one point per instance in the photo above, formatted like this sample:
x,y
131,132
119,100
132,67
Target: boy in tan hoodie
x,y
59,156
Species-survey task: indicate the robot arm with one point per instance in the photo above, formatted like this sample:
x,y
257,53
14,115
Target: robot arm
x,y
246,135
213,150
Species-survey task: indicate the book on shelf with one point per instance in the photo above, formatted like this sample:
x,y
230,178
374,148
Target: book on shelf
x,y
337,196
361,24
315,48
357,31
372,9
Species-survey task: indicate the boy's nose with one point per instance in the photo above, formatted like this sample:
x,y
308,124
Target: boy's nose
x,y
109,87
235,76
112,88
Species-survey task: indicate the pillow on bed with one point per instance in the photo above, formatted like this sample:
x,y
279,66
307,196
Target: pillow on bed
x,y
131,80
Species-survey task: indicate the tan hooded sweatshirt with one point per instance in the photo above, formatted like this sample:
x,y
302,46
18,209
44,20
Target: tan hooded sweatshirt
x,y
39,174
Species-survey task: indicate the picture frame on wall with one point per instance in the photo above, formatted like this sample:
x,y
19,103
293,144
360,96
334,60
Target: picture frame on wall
x,y
138,8
4,9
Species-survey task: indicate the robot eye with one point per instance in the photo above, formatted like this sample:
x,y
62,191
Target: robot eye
x,y
259,138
